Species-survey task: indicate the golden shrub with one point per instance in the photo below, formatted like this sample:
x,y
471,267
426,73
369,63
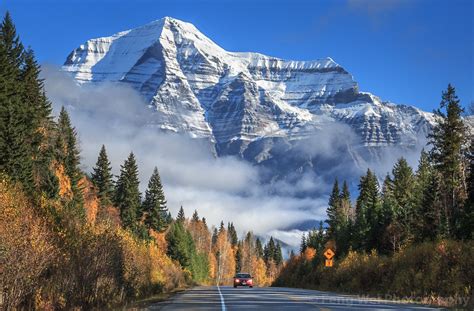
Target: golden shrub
x,y
26,251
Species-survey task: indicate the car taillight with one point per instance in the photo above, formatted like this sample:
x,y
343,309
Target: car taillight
x,y
249,281
237,280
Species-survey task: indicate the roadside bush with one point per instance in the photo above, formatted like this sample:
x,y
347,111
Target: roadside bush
x,y
26,250
435,272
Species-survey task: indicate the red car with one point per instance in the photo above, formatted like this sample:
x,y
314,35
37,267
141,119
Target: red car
x,y
243,279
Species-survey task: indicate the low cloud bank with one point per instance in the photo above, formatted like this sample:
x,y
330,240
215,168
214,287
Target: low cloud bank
x,y
224,188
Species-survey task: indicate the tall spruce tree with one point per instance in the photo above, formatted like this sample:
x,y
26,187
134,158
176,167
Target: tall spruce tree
x,y
449,140
316,238
466,224
154,205
221,227
258,248
67,153
392,228
368,210
232,234
344,235
68,148
269,251
338,211
181,217
127,194
426,200
303,244
101,177
25,117
40,127
215,236
195,217
403,193
180,244
278,256
345,201
15,126
238,258
334,210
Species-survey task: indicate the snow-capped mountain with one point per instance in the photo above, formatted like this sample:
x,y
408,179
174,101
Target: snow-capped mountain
x,y
248,104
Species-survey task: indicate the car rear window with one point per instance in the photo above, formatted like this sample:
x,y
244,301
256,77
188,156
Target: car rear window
x,y
243,275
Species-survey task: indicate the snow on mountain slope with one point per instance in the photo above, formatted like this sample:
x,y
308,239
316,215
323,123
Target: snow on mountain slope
x,y
236,99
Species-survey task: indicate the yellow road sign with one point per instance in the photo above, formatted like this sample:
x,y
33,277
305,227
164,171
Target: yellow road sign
x,y
329,262
329,253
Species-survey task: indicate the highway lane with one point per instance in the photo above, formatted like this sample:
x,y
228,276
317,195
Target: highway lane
x,y
227,298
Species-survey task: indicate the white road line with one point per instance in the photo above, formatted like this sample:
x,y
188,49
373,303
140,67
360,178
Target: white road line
x,y
222,298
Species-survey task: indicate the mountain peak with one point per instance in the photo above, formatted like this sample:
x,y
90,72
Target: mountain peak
x,y
197,87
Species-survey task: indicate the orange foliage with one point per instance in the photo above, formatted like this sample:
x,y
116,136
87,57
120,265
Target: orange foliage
x,y
201,236
91,201
212,266
309,254
225,259
65,190
160,240
259,272
26,251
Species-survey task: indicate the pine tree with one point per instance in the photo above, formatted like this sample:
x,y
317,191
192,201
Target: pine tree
x,y
238,258
466,224
269,251
345,230
448,153
368,210
345,201
403,193
33,90
258,248
40,126
101,177
127,194
67,154
426,200
221,227
181,217
334,210
316,238
68,149
16,157
180,245
278,256
195,217
215,236
154,206
303,244
232,234
15,154
338,211
390,240
11,43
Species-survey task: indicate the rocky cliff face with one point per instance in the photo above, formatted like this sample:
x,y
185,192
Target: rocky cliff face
x,y
248,104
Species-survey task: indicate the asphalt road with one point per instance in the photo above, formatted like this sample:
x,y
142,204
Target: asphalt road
x,y
227,298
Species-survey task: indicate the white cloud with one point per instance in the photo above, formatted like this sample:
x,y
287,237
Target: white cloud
x,y
224,188
220,188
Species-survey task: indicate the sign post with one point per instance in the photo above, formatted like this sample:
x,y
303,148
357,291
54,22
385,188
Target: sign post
x,y
329,254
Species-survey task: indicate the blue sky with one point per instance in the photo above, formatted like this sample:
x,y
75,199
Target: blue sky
x,y
403,51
